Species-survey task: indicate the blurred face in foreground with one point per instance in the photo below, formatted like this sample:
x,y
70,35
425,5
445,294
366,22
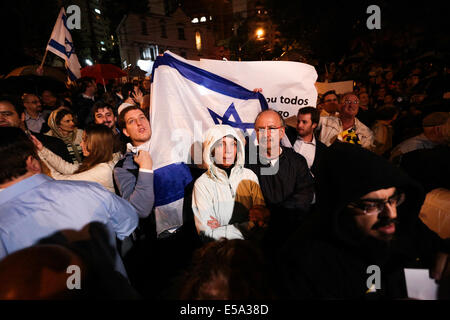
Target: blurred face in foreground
x,y
375,213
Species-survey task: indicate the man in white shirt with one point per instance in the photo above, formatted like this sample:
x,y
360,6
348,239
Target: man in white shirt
x,y
302,139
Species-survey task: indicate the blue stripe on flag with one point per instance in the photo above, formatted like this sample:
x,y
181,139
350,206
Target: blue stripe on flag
x,y
208,80
58,46
169,183
72,77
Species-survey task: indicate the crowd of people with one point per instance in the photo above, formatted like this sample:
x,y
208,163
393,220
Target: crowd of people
x,y
336,193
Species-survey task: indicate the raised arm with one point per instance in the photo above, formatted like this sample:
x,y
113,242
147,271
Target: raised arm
x,y
56,163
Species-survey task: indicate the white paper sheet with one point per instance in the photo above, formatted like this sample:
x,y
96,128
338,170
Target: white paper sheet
x,y
419,284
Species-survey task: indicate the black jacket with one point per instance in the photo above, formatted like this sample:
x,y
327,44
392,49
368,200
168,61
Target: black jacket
x,y
328,257
82,108
288,193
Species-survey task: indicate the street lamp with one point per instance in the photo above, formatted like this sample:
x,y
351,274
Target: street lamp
x,y
259,34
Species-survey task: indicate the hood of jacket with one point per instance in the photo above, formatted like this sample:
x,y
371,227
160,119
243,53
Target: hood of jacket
x,y
350,172
211,137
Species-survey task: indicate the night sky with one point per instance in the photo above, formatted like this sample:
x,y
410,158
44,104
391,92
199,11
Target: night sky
x,y
327,28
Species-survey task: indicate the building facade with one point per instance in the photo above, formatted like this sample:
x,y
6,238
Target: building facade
x,y
142,37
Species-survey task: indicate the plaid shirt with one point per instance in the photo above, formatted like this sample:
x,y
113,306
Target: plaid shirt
x,y
330,129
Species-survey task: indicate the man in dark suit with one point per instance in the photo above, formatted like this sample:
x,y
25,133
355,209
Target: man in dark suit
x,y
302,138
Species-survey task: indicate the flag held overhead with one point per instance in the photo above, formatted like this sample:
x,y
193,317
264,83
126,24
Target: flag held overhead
x,y
61,44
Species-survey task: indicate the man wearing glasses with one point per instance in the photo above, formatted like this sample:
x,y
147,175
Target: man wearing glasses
x,y
346,127
367,218
284,177
35,120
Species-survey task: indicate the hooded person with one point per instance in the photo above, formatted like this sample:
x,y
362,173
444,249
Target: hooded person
x,y
227,201
367,220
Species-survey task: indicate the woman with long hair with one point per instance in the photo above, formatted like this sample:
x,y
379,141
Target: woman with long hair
x,y
98,164
62,125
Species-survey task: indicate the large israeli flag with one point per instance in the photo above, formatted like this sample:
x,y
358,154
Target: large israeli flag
x,y
61,44
185,102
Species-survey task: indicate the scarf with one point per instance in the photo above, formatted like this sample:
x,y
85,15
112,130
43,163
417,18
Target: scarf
x,y
68,140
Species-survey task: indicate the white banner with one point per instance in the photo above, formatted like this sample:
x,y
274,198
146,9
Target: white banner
x,y
287,86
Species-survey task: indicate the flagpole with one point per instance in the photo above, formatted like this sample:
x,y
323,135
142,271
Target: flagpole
x,y
43,60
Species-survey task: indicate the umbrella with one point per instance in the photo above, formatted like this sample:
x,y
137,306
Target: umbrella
x,y
16,85
103,72
52,72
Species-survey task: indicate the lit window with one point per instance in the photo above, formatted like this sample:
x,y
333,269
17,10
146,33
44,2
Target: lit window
x,y
97,11
195,20
146,54
203,19
198,41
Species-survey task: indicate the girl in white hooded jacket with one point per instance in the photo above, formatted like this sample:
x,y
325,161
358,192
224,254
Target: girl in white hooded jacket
x,y
227,200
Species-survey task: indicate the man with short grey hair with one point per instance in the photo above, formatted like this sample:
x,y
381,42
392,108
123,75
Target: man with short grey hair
x,y
284,177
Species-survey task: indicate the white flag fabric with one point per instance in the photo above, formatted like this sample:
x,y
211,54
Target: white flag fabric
x,y
61,44
287,85
185,102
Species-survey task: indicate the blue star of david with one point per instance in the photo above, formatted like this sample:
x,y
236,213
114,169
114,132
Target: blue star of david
x,y
225,119
69,45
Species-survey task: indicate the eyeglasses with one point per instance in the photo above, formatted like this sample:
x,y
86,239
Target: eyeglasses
x,y
350,102
271,129
375,206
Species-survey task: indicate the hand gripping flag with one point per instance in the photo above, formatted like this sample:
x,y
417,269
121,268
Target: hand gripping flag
x,y
61,44
185,102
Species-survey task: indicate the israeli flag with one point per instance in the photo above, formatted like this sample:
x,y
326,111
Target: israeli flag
x,y
185,102
61,44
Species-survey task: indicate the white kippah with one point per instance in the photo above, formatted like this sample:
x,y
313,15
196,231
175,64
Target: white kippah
x,y
123,106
